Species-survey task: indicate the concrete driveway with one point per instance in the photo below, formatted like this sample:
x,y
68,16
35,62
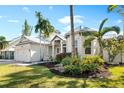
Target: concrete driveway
x,y
4,61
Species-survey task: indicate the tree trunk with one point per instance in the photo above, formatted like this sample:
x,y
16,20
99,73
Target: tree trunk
x,y
101,49
72,31
40,45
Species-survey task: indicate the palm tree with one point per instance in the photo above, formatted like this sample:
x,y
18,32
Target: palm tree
x,y
118,9
43,27
3,42
99,35
72,31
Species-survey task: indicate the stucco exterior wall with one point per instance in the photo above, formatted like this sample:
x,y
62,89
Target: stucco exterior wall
x,y
81,50
35,52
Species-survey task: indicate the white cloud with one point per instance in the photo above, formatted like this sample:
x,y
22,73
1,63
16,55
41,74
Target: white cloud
x,y
26,9
2,17
67,28
119,21
13,21
66,20
50,7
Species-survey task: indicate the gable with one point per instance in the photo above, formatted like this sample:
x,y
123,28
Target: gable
x,y
56,37
23,40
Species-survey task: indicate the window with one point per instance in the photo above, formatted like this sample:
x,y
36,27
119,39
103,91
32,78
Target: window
x,y
64,49
57,50
76,43
76,46
88,49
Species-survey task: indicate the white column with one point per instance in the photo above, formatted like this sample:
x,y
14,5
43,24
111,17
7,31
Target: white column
x,y
61,49
53,49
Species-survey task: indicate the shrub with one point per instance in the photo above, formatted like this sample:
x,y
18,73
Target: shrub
x,y
67,61
76,60
92,67
93,59
72,70
61,56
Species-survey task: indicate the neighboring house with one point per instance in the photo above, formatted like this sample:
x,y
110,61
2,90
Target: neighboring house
x,y
8,53
93,49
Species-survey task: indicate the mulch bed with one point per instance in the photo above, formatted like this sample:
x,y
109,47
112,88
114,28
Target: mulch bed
x,y
102,73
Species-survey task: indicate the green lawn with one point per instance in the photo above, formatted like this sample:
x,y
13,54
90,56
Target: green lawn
x,y
39,76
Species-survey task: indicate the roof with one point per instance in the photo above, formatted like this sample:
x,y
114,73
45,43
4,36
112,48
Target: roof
x,y
84,29
37,40
52,36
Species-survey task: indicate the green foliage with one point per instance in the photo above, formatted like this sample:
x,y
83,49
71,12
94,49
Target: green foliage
x,y
116,8
111,7
27,29
3,42
74,66
76,60
66,61
43,26
61,56
92,59
113,47
91,67
99,35
72,70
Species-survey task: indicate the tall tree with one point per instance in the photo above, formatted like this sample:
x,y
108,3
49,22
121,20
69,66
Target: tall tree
x,y
99,35
72,30
43,27
111,46
3,42
27,29
120,48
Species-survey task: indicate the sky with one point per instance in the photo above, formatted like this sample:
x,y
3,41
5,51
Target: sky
x,y
12,17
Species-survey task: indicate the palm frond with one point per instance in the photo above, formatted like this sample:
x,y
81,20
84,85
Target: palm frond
x,y
111,7
109,29
102,24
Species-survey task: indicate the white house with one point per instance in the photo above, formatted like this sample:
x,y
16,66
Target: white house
x,y
30,49
79,41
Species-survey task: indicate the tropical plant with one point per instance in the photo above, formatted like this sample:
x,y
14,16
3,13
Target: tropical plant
x,y
3,42
61,56
110,45
72,70
114,46
99,35
66,61
27,29
120,48
116,8
92,59
43,27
